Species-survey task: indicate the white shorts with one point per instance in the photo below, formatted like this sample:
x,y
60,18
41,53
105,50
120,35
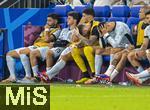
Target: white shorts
x,y
30,47
56,51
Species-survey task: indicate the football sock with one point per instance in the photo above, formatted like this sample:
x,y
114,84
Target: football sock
x,y
109,70
11,66
140,69
143,74
35,70
114,74
56,68
26,64
98,64
111,58
48,68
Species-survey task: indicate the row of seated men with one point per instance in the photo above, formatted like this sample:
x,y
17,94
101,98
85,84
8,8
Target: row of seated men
x,y
85,37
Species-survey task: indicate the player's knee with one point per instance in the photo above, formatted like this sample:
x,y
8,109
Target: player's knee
x,y
88,50
115,50
23,51
99,51
9,53
49,53
33,54
130,56
65,57
117,56
75,52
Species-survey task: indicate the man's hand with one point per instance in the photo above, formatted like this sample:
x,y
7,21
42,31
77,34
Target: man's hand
x,y
82,21
46,26
103,30
76,32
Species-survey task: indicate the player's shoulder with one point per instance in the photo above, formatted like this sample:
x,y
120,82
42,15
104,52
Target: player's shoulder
x,y
147,28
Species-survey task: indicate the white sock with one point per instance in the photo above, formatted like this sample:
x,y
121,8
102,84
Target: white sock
x,y
98,64
26,64
144,79
48,68
143,74
35,70
114,74
110,70
56,68
11,66
140,69
111,58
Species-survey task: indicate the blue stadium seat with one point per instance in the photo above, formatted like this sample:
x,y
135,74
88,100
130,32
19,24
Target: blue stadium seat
x,y
106,58
132,21
102,11
120,11
80,8
63,25
62,10
101,19
63,22
135,11
122,19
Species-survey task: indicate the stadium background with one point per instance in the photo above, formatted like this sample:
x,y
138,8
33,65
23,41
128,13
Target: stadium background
x,y
13,22
14,19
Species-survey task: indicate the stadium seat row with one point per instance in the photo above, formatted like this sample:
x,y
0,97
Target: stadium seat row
x,y
104,13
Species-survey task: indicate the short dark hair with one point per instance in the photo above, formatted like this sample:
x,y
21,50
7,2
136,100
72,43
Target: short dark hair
x,y
147,13
89,11
54,16
75,15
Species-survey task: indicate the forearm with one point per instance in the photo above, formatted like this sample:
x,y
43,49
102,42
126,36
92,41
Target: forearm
x,y
85,40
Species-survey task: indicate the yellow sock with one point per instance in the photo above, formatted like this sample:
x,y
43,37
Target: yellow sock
x,y
78,59
88,52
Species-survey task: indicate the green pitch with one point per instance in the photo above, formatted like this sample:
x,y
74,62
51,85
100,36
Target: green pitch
x,y
72,97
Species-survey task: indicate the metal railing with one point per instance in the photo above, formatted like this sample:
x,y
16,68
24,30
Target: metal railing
x,y
24,3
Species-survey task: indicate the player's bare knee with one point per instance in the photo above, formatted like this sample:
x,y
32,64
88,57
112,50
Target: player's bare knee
x,y
124,55
130,56
99,51
9,53
49,53
33,54
65,57
23,51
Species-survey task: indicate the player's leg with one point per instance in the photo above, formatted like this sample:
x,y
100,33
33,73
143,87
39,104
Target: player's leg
x,y
49,59
64,58
113,64
99,60
142,76
52,55
34,56
119,66
116,52
139,78
89,52
113,52
98,63
10,59
24,57
134,59
77,56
